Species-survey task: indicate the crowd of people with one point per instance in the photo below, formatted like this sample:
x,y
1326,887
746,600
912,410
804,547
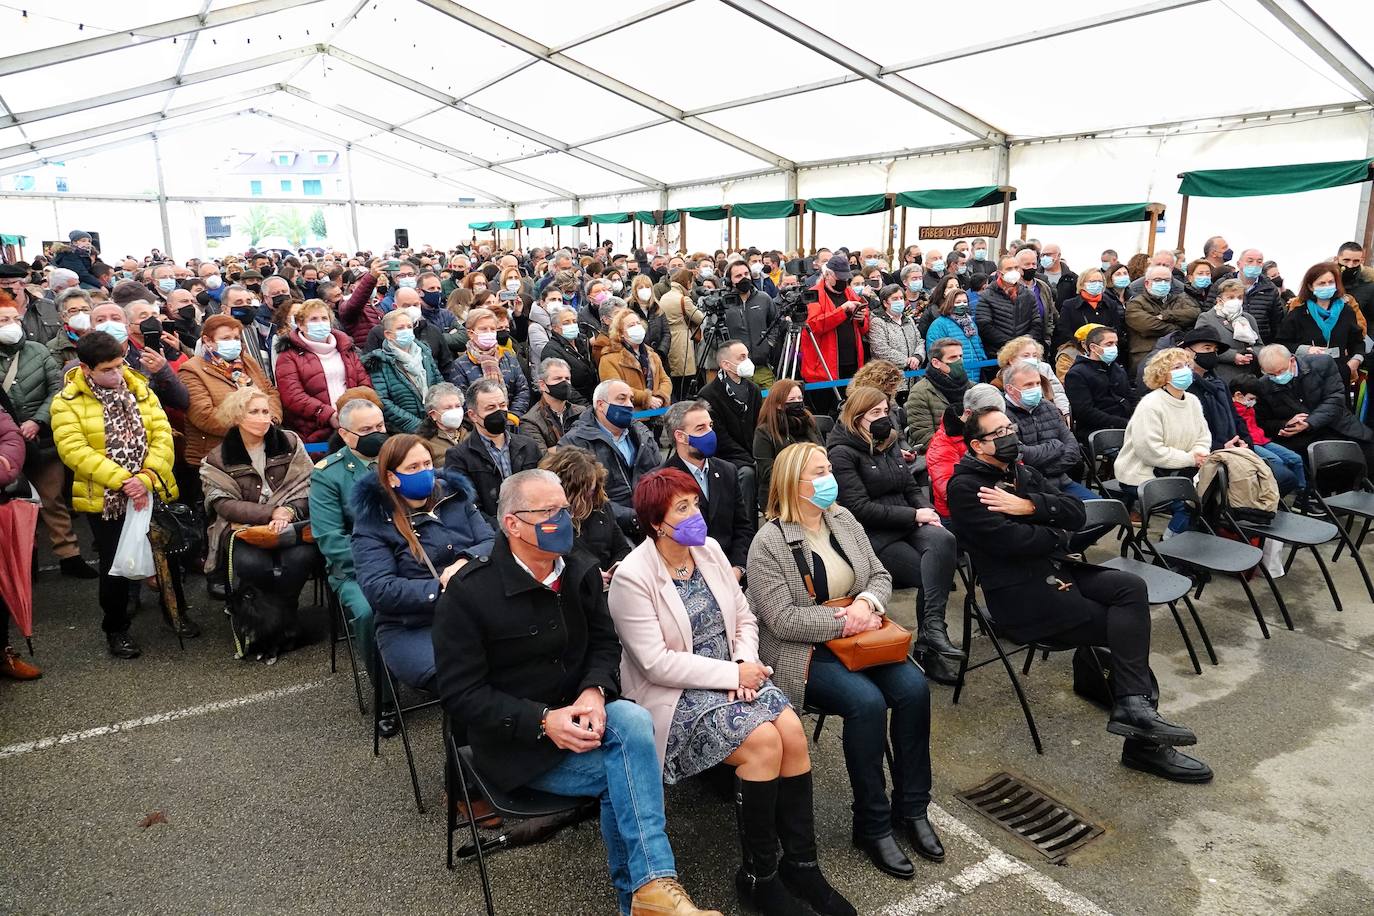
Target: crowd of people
x,y
573,493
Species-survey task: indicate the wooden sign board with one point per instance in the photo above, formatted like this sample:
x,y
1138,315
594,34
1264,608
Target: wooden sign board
x,y
961,231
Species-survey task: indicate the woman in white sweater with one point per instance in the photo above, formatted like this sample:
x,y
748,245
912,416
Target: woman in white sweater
x,y
1167,434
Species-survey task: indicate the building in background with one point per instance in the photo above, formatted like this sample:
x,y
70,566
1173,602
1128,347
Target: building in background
x,y
300,172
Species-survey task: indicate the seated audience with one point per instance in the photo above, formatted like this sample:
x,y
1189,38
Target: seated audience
x,y
1030,351
1302,400
315,364
492,451
484,358
1092,305
554,413
955,322
728,512
943,386
893,334
1100,392
632,361
584,482
1006,309
567,343
1046,443
442,428
1159,309
1234,328
402,370
735,403
784,420
1324,319
622,444
947,446
1244,399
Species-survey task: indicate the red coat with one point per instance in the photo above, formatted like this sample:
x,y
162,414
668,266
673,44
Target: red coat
x,y
358,313
12,449
306,408
942,455
823,318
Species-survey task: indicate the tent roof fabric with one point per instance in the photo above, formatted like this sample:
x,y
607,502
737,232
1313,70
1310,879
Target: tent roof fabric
x,y
1082,215
952,198
375,75
1274,179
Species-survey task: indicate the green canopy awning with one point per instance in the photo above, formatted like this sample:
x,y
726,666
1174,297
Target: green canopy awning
x,y
11,240
857,205
570,220
611,219
765,209
952,198
715,213
504,223
1085,215
1274,179
535,223
481,227
667,218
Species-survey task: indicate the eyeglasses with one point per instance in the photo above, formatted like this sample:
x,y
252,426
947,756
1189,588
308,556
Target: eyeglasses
x,y
544,514
999,433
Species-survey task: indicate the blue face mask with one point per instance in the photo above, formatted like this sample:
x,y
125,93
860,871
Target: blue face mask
x,y
1160,288
1251,271
619,416
705,443
1324,292
406,282
1283,378
870,262
1046,261
937,266
1030,398
961,269
1202,282
405,337
1121,282
229,350
915,285
1105,265
1181,378
115,329
415,486
1093,287
980,254
318,331
167,284
569,331
555,535
1109,354
827,489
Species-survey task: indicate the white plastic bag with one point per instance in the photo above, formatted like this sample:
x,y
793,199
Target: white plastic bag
x,y
1273,557
133,557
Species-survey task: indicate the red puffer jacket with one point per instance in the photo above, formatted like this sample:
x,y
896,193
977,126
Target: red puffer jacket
x,y
12,449
941,457
306,407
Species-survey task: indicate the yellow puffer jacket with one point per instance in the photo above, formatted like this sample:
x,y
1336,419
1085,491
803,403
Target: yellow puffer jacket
x,y
78,429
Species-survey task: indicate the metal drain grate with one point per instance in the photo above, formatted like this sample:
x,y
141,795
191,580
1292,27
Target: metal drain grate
x,y
1051,827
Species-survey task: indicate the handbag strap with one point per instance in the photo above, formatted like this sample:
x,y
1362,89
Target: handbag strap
x,y
424,556
13,372
800,559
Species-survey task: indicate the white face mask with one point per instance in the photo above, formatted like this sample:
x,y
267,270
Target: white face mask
x,y
635,335
644,293
707,270
756,268
11,333
413,311
79,321
213,281
745,369
513,285
452,418
617,286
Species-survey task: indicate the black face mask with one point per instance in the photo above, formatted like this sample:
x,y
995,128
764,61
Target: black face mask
x,y
370,446
244,315
560,391
795,409
502,338
1349,275
254,288
880,429
1207,361
281,299
495,422
1006,448
744,286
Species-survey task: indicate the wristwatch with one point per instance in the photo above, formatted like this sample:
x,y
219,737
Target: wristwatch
x,y
543,722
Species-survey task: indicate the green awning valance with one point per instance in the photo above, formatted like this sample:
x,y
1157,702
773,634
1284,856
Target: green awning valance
x,y
952,198
765,209
503,223
611,219
535,223
11,240
1082,216
715,213
1274,179
570,221
857,205
481,227
665,218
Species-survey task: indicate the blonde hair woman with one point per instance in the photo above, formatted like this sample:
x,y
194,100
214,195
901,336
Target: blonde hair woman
x,y
630,359
807,529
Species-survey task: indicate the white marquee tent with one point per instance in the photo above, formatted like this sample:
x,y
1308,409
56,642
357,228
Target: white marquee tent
x,y
451,113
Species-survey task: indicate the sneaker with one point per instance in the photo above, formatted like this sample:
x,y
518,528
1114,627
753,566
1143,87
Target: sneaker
x,y
77,568
15,668
122,646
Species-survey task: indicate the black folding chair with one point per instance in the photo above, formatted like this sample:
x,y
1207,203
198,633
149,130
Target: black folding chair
x,y
1203,550
340,630
461,778
382,678
1341,486
1103,446
1298,532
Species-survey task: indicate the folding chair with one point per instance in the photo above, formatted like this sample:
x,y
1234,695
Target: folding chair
x,y
1299,532
339,623
381,677
1102,445
1338,469
1202,549
461,777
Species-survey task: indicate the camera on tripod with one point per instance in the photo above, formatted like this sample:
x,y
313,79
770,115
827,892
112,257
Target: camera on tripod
x,y
714,302
795,301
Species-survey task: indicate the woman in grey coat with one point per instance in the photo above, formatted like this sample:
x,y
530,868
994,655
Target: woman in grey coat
x,y
892,334
805,527
1237,331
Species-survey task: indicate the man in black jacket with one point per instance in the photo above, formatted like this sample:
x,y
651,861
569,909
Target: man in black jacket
x,y
1099,390
623,445
729,516
754,321
491,452
529,663
735,404
1302,400
1016,528
1007,309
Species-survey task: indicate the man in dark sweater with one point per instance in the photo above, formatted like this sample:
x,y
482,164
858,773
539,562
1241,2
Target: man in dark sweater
x,y
735,404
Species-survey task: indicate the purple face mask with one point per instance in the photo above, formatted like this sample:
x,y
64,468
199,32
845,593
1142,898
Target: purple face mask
x,y
691,531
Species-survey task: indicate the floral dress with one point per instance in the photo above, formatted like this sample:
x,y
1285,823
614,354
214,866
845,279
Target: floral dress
x,y
707,727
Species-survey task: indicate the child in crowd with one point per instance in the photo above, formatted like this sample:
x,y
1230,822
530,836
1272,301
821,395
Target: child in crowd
x,y
1243,393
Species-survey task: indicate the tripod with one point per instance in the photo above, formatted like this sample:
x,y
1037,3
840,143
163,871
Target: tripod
x,y
789,366
713,334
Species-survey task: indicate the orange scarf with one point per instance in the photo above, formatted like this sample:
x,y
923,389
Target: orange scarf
x,y
1090,298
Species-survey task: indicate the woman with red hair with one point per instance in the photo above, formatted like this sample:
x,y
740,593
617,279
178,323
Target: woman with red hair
x,y
691,659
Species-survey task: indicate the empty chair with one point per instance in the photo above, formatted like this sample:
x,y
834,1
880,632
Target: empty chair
x,y
1103,445
1341,487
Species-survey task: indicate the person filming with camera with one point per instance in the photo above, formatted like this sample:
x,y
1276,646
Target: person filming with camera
x,y
832,344
751,317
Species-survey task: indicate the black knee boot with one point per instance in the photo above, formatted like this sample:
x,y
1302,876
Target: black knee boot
x,y
938,657
757,879
800,870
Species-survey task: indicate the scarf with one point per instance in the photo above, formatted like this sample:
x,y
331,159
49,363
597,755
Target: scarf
x,y
412,363
953,392
235,372
489,360
126,441
642,354
1090,298
966,324
1325,318
335,375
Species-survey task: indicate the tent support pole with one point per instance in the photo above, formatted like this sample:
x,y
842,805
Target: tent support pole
x,y
1182,221
813,232
1368,217
1150,245
904,212
1023,231
1006,217
162,199
598,235
681,232
889,215
558,236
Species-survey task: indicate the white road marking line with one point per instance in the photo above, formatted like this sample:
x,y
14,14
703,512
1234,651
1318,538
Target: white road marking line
x,y
25,747
994,866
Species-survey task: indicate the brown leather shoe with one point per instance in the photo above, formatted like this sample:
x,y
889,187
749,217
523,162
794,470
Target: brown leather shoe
x,y
665,897
487,819
12,666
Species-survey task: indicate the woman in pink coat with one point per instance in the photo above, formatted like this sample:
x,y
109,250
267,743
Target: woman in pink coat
x,y
691,659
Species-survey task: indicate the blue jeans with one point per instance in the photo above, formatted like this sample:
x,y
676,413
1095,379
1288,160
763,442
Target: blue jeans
x,y
624,773
409,653
1287,467
862,699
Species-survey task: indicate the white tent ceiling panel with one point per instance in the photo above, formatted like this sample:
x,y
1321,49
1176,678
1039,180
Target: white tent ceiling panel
x,y
408,151
714,194
498,184
554,22
80,79
692,31
795,127
82,121
336,83
473,135
312,115
1275,71
288,28
427,46
51,25
209,92
569,172
675,153
559,104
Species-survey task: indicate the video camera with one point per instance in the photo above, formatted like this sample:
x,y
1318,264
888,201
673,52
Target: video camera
x,y
714,302
795,301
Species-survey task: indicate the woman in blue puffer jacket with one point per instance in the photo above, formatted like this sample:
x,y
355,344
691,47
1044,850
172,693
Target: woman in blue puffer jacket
x,y
413,529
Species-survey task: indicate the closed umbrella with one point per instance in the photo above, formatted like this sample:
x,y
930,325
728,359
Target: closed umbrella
x,y
18,522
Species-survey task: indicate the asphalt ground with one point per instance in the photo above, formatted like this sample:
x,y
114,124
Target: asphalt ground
x,y
264,796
